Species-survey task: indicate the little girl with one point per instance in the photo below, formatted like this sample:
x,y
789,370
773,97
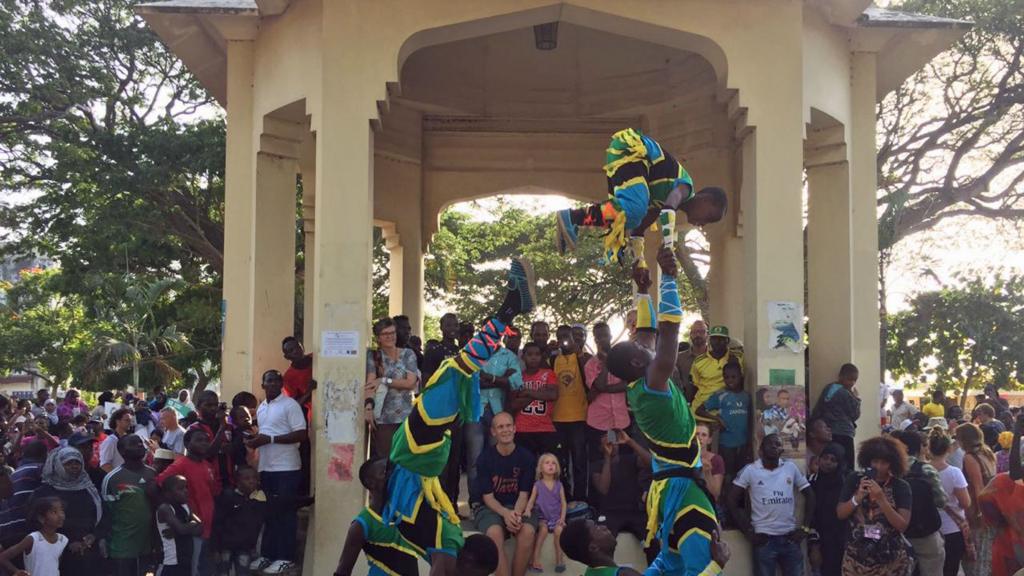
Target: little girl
x,y
42,549
548,500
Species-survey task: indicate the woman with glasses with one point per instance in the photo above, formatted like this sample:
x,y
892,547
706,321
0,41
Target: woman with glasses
x,y
391,376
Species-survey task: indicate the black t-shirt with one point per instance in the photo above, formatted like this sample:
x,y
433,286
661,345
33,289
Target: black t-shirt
x,y
505,476
627,484
436,353
900,490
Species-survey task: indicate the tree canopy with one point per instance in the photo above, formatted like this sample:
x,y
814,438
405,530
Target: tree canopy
x,y
962,337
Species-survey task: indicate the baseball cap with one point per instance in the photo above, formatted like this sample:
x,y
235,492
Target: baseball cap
x,y
80,438
720,331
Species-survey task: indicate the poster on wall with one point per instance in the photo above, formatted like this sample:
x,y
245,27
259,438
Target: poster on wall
x,y
782,410
786,326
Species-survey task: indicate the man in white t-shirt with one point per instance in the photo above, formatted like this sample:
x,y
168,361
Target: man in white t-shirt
x,y
282,427
772,484
174,435
900,411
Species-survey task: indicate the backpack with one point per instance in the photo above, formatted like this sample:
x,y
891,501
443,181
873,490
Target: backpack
x,y
924,516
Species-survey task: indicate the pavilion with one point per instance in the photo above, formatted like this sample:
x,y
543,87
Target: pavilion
x,y
388,111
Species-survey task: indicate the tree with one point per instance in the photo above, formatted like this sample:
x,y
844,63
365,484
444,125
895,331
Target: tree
x,y
45,334
951,138
134,336
962,337
467,260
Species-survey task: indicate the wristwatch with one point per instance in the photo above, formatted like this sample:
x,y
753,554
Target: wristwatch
x,y
389,381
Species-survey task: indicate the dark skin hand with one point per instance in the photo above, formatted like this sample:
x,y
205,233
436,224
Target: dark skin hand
x,y
660,370
1016,469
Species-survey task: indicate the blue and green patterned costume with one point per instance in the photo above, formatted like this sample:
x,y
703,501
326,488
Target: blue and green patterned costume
x,y
386,550
640,175
421,446
679,513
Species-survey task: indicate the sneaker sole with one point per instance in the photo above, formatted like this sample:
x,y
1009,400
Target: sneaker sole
x,y
531,280
563,239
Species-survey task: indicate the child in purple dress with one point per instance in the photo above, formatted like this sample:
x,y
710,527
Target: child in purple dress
x,y
548,501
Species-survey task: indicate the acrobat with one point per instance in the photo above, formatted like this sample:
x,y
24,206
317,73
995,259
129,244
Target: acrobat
x,y
643,180
679,510
416,504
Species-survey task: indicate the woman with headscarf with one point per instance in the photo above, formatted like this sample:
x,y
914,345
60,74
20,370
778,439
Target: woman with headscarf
x,y
64,477
826,552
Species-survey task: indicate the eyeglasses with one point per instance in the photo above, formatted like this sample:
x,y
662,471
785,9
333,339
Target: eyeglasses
x,y
388,333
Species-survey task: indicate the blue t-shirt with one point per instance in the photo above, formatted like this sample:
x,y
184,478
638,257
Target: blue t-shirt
x,y
504,476
734,408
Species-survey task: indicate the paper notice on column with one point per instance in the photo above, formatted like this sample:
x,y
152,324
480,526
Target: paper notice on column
x,y
340,403
339,344
786,326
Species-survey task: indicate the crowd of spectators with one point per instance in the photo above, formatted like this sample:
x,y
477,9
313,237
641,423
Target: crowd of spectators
x,y
911,501
134,486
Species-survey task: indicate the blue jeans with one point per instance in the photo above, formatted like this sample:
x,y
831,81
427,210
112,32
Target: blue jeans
x,y
279,535
779,551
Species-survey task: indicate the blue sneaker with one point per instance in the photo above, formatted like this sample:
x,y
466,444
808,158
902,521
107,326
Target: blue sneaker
x,y
522,286
566,233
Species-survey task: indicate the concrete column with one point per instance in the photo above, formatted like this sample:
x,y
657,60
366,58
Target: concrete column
x,y
864,186
412,277
342,276
725,277
307,167
236,351
772,207
273,240
396,273
829,281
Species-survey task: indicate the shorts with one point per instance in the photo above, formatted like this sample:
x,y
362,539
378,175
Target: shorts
x,y
484,518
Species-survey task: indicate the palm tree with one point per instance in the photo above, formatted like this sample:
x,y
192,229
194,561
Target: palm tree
x,y
134,334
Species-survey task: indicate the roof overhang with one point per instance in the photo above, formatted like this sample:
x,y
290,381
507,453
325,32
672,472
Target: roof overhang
x,y
904,42
197,31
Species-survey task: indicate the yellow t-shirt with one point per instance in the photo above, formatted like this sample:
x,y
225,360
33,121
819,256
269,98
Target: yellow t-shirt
x,y
706,373
933,410
571,405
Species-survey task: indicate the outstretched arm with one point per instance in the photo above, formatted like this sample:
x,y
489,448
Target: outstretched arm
x,y
646,322
350,551
670,314
1016,469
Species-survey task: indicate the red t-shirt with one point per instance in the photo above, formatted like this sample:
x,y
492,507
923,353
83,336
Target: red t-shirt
x,y
297,378
202,488
536,417
221,464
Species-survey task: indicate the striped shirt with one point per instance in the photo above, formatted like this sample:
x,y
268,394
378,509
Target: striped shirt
x,y
24,482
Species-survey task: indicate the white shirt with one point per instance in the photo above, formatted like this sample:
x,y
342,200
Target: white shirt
x,y
902,413
174,440
280,416
44,559
772,495
109,453
951,478
956,458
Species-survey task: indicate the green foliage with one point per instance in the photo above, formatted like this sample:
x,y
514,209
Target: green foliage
x,y
134,335
44,332
962,337
468,260
119,156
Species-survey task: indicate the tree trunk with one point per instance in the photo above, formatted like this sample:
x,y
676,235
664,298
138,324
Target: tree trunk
x,y
883,311
202,381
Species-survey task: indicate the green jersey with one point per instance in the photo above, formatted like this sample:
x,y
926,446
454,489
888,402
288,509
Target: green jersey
x,y
666,421
126,502
602,571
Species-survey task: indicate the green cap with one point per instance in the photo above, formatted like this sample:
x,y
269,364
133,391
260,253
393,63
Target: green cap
x,y
720,331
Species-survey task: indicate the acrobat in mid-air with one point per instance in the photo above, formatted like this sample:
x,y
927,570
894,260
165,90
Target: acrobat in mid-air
x,y
643,180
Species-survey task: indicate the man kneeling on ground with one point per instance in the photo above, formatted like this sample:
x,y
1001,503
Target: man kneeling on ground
x,y
505,474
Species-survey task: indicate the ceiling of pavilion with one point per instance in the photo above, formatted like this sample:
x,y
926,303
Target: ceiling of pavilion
x,y
590,73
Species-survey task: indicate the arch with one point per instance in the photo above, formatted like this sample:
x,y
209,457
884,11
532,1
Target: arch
x,y
566,12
